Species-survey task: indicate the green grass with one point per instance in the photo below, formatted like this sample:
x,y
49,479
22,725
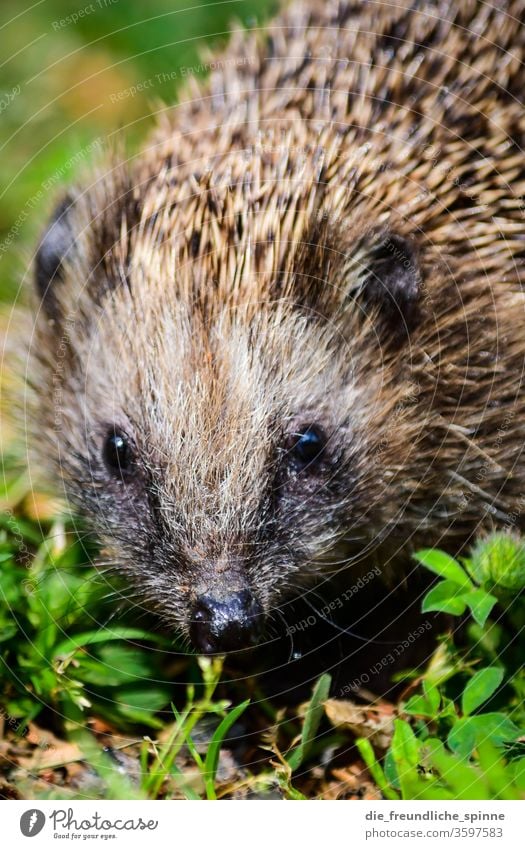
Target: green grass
x,y
127,715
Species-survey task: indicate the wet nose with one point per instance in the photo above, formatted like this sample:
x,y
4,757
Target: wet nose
x,y
226,624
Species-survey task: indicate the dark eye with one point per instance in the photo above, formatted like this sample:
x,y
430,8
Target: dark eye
x,y
307,445
117,453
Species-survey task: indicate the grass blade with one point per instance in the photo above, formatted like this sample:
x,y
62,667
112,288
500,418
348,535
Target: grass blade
x,y
212,756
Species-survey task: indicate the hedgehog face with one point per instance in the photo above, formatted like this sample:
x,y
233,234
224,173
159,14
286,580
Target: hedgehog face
x,y
208,456
218,445
215,484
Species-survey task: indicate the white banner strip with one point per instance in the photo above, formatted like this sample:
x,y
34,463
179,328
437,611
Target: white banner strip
x,y
253,824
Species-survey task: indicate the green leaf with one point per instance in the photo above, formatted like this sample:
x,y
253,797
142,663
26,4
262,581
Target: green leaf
x,y
462,737
418,706
405,746
471,731
458,775
313,716
390,769
367,753
115,663
146,698
480,603
8,632
426,704
446,597
444,566
89,638
405,752
480,687
432,695
212,755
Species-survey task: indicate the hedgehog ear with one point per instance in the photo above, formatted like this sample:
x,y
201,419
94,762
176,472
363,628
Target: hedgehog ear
x,y
390,280
55,246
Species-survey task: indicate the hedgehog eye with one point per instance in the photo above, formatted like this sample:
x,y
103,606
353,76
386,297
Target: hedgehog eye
x,y
117,452
307,445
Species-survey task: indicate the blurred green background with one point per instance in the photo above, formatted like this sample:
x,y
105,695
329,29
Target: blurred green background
x,y
63,69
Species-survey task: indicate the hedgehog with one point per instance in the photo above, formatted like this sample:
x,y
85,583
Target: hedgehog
x,y
284,340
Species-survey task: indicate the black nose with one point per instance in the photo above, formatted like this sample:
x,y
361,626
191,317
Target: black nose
x,y
227,624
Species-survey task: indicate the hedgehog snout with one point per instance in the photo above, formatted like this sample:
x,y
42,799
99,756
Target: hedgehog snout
x,y
225,624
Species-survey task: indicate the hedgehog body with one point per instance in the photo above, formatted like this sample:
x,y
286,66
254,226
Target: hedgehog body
x,y
286,338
